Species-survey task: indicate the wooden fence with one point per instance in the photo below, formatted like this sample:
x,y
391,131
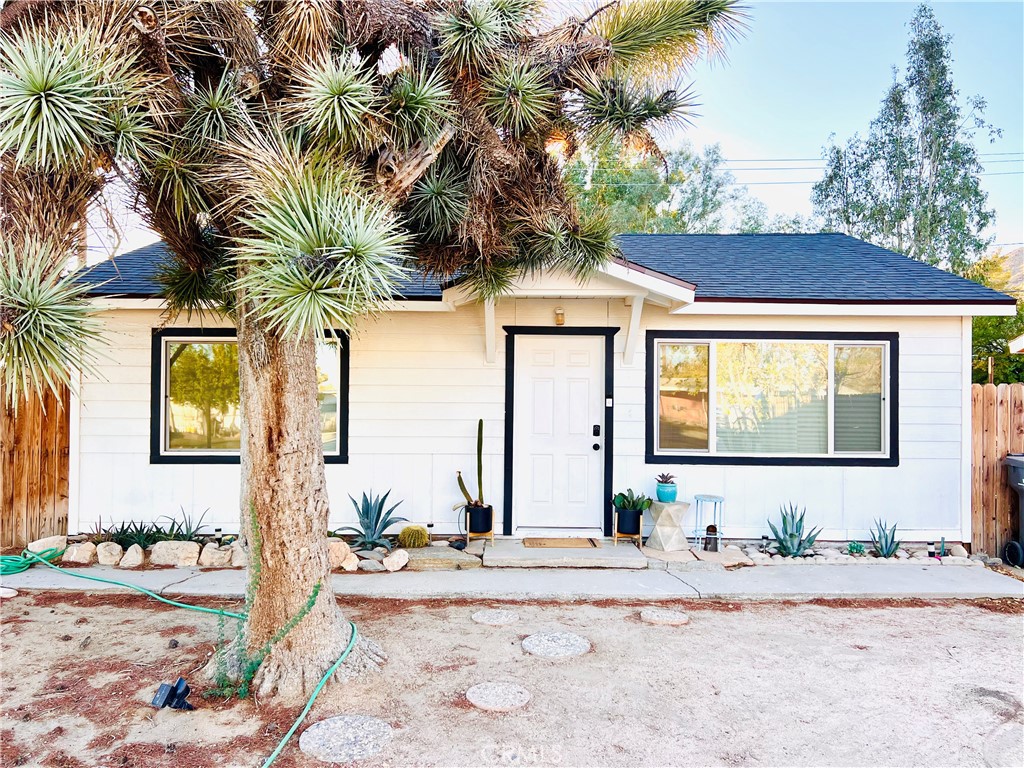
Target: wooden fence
x,y
33,469
997,428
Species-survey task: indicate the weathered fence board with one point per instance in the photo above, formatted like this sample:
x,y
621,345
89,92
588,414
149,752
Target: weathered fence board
x,y
33,469
997,428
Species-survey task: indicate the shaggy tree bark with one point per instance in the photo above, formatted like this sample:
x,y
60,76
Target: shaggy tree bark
x,y
285,511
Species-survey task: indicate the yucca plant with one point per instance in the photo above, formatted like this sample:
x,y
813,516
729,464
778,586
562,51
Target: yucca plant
x,y
373,522
518,96
791,541
883,540
278,148
44,321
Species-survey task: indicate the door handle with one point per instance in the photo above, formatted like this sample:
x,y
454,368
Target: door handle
x,y
597,430
597,446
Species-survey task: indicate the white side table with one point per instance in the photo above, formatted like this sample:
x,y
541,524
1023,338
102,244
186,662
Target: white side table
x,y
668,534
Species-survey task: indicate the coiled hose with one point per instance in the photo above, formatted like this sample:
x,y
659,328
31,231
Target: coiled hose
x,y
12,564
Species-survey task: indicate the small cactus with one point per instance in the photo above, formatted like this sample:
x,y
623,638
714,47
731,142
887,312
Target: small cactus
x,y
413,537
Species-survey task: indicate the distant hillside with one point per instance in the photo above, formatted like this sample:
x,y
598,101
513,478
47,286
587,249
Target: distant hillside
x,y
1015,265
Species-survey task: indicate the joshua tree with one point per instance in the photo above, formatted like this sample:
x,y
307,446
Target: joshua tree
x,y
298,157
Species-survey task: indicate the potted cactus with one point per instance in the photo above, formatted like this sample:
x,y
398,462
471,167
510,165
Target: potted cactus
x,y
667,487
480,515
630,510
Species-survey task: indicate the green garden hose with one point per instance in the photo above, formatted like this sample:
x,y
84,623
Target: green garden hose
x,y
309,704
12,564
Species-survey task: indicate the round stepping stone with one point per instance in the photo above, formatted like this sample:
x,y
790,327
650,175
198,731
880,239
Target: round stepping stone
x,y
495,617
556,645
6,592
664,616
345,738
498,697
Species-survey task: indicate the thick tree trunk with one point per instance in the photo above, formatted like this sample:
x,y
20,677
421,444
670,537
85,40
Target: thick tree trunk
x,y
284,519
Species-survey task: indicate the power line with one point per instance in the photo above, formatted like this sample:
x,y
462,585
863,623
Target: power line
x,y
808,159
750,183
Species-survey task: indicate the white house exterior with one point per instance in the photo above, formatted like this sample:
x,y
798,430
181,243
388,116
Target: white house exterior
x,y
852,400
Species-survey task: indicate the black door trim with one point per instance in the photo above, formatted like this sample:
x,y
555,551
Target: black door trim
x,y
608,333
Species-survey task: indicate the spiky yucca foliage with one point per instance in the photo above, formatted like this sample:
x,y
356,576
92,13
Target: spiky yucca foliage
x,y
438,201
44,321
518,96
63,99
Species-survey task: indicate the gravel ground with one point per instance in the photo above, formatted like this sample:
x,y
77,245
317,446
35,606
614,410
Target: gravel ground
x,y
847,683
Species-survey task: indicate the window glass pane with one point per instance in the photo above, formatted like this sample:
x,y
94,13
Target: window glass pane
x,y
202,389
858,402
771,397
328,372
683,397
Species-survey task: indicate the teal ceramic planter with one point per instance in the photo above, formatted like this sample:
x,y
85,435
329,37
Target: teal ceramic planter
x,y
667,492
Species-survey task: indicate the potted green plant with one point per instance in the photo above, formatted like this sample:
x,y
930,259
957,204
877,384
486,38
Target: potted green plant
x,y
480,515
667,487
630,508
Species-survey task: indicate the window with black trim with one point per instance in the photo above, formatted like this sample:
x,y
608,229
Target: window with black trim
x,y
771,398
195,416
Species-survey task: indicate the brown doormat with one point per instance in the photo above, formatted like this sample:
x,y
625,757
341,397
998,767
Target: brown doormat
x,y
566,543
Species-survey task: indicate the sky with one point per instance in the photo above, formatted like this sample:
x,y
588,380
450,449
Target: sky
x,y
805,70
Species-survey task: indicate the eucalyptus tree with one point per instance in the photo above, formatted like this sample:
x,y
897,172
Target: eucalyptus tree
x,y
913,184
299,158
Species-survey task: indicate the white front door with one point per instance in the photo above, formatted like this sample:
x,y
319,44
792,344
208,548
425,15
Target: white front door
x,y
558,475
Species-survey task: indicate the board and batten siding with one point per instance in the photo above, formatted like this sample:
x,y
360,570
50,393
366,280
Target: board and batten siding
x,y
419,382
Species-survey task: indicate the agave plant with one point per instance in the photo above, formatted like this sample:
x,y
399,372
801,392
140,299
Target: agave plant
x,y
883,539
373,522
185,529
629,500
791,542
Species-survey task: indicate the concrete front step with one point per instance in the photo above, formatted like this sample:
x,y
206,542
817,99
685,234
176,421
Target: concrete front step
x,y
510,553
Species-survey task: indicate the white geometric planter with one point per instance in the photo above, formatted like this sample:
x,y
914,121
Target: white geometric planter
x,y
668,535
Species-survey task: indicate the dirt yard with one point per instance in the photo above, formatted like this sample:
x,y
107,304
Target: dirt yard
x,y
840,683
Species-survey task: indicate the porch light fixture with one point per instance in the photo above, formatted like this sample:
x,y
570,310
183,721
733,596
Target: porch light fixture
x,y
559,316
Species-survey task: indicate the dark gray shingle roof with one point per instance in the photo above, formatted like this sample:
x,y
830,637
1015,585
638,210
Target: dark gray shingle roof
x,y
828,268
134,275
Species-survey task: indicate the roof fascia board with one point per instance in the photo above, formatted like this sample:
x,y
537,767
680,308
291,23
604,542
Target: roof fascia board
x,y
890,309
649,280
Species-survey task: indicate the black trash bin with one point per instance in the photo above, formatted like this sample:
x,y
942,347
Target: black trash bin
x,y
1013,552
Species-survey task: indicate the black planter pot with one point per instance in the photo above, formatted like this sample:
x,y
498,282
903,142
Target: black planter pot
x,y
629,521
481,519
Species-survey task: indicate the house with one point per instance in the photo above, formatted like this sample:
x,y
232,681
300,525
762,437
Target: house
x,y
814,369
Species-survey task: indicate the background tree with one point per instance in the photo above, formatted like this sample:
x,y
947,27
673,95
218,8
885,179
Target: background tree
x,y
299,157
913,184
204,376
992,334
683,191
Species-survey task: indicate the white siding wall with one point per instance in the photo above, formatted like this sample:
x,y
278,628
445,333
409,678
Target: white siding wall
x,y
419,382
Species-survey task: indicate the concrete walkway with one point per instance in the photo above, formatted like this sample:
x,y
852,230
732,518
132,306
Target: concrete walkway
x,y
794,583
